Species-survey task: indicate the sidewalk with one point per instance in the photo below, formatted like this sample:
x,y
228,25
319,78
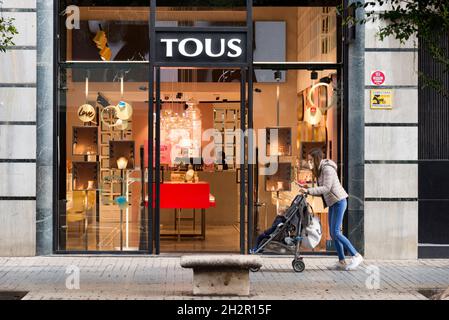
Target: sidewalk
x,y
133,277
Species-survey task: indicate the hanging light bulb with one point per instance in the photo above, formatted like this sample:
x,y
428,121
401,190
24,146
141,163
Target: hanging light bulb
x,y
86,112
124,109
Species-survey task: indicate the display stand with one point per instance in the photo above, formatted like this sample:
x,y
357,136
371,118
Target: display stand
x,y
122,157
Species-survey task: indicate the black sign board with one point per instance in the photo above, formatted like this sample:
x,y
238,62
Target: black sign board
x,y
197,47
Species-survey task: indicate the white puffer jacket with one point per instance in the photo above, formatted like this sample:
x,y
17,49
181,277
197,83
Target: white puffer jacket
x,y
329,185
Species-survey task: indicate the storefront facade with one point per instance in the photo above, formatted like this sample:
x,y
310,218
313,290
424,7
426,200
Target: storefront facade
x,y
221,78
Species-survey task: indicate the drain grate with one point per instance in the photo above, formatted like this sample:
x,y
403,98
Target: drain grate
x,y
12,295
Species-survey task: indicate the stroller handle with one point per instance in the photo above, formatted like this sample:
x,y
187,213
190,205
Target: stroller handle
x,y
304,194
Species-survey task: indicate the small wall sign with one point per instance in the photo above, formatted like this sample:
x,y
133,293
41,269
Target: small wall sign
x,y
86,113
381,99
377,78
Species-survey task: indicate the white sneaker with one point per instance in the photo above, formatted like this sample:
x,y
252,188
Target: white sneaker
x,y
338,266
356,261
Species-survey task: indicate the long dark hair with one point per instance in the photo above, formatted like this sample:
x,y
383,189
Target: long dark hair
x,y
317,156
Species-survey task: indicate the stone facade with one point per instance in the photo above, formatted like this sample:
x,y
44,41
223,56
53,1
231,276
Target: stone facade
x,y
18,110
391,151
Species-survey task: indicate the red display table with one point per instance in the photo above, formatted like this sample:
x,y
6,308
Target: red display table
x,y
181,195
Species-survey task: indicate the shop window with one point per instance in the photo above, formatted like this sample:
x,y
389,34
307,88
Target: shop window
x,y
309,109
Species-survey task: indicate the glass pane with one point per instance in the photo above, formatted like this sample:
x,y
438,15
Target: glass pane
x,y
291,118
103,114
104,33
305,34
199,194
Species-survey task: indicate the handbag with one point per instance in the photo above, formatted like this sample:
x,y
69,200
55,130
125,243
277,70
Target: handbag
x,y
311,233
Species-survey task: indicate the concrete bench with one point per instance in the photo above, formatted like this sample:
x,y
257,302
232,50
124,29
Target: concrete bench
x,y
221,274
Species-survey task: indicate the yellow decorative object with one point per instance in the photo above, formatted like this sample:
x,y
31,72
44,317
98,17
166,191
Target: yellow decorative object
x,y
106,54
101,41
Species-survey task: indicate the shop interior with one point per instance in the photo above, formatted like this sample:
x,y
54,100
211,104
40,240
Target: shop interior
x,y
104,110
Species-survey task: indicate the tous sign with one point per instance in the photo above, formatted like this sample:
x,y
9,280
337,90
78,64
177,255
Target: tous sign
x,y
230,48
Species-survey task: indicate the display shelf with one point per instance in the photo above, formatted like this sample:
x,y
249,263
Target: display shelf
x,y
108,134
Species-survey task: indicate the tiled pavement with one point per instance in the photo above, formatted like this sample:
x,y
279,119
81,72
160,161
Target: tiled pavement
x,y
104,277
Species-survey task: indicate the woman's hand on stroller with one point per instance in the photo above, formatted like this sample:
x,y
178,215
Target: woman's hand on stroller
x,y
302,187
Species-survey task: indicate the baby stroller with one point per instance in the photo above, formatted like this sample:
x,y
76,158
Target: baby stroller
x,y
286,237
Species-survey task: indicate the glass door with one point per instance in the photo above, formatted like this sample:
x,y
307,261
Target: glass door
x,y
199,113
199,159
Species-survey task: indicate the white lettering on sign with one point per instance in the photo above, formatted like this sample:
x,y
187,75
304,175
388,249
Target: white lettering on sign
x,y
231,48
198,44
236,48
169,46
209,48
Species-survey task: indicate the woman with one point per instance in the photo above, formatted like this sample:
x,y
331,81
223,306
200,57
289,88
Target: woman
x,y
334,197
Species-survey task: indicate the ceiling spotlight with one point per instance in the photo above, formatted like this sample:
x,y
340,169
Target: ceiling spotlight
x,y
313,75
277,75
326,80
179,95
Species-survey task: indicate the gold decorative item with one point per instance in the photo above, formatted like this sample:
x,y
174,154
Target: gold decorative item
x,y
86,113
121,124
124,110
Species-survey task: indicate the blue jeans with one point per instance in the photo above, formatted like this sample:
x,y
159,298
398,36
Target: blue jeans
x,y
336,214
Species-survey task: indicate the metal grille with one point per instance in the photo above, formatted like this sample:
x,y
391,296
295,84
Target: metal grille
x,y
433,111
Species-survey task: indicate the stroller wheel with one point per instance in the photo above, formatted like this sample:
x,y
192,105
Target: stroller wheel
x,y
298,265
254,269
